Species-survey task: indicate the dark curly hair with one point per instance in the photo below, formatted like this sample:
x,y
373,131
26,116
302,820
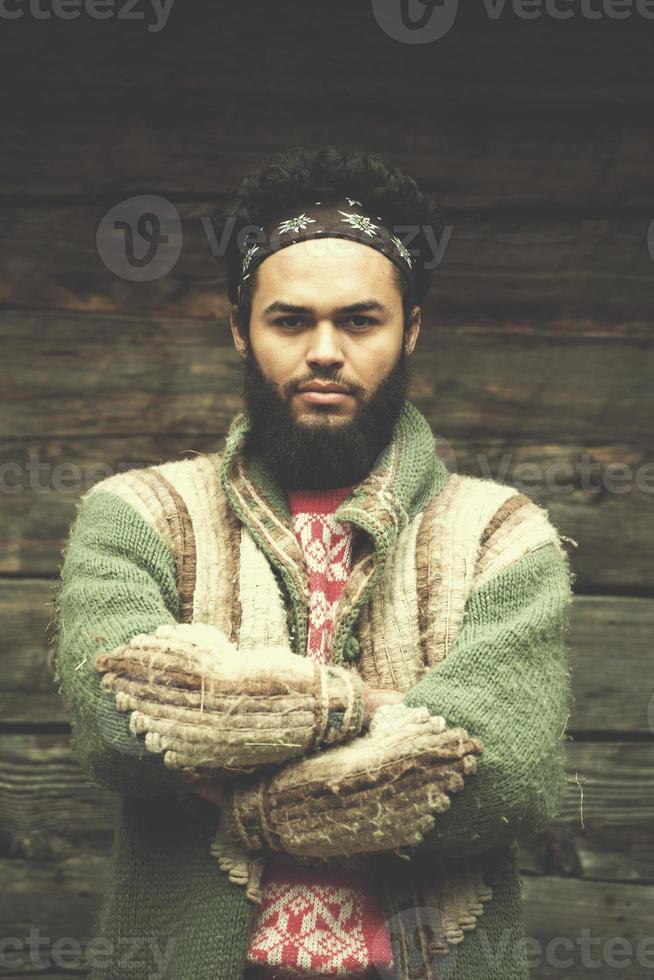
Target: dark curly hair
x,y
292,179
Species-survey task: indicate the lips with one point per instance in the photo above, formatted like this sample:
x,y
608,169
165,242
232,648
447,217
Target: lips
x,y
325,388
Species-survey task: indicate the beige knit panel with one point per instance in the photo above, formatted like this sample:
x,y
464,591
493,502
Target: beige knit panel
x,y
159,503
519,527
388,624
134,490
446,556
263,613
217,541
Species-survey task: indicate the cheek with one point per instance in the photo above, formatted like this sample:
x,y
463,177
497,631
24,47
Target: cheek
x,y
370,364
278,361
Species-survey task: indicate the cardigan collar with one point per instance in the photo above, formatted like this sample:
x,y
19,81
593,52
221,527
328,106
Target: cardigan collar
x,y
406,474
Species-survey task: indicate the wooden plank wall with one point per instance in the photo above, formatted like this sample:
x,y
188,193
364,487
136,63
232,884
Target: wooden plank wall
x,y
536,354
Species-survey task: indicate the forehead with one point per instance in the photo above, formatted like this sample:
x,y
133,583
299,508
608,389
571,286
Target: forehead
x,y
340,266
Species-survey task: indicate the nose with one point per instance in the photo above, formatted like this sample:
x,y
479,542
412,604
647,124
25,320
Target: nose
x,y
324,346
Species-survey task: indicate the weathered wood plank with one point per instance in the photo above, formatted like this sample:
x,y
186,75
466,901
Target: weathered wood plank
x,y
60,899
42,481
584,929
605,828
584,156
48,811
540,60
504,269
610,644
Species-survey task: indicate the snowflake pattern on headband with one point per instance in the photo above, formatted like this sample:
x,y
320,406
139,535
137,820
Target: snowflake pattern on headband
x,y
299,223
402,249
359,221
247,257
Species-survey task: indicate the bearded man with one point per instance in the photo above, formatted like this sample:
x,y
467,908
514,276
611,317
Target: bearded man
x,y
327,677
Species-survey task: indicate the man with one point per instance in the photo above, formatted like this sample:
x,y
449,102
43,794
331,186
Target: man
x,y
327,677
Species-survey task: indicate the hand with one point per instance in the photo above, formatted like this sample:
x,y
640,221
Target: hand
x,y
378,792
374,697
208,708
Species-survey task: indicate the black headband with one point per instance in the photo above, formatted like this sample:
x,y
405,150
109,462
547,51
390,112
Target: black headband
x,y
343,218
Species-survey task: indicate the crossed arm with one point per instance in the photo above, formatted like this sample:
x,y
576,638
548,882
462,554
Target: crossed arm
x,y
156,706
506,681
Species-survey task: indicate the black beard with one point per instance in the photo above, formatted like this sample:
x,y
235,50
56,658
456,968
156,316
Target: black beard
x,y
321,455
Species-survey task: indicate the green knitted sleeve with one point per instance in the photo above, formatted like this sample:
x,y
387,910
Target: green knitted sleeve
x,y
117,579
507,681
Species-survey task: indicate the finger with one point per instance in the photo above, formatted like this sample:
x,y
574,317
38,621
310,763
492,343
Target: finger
x,y
411,784
241,702
360,832
125,659
364,761
193,652
240,762
200,634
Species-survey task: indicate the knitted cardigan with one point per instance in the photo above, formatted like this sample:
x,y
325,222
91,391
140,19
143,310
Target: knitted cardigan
x,y
459,597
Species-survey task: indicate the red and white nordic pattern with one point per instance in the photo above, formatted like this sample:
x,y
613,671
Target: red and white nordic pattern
x,y
327,547
327,921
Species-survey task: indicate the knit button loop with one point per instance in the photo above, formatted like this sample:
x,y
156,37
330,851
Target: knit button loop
x,y
351,649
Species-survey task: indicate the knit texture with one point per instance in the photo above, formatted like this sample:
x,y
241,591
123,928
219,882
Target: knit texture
x,y
459,598
327,550
319,921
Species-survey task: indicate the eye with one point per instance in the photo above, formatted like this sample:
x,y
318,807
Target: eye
x,y
367,321
284,320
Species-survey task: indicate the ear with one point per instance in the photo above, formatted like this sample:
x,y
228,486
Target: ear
x,y
412,331
239,343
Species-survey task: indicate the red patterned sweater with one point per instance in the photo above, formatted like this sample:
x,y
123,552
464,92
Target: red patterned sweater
x,y
319,921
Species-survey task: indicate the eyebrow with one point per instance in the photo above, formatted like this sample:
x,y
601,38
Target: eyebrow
x,y
363,306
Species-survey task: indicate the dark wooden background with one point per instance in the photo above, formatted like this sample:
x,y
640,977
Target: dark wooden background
x,y
537,347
